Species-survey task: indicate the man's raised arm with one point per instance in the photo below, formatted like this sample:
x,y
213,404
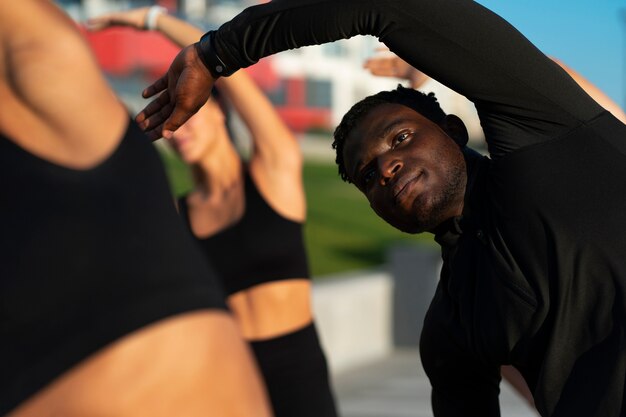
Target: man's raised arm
x,y
457,42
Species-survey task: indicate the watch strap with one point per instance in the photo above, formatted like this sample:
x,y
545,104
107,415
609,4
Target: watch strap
x,y
208,55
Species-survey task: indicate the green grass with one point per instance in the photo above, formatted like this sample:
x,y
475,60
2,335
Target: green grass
x,y
342,231
178,172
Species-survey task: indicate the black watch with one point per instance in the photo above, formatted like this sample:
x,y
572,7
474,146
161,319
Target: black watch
x,y
209,57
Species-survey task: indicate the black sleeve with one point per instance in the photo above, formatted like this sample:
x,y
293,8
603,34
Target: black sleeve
x,y
522,97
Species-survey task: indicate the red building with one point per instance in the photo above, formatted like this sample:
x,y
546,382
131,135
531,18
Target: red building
x,y
122,52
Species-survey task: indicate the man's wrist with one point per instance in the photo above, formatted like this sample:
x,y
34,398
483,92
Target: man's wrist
x,y
209,57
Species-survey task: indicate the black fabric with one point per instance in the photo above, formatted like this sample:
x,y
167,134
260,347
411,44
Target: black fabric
x,y
262,246
534,271
535,277
521,96
295,374
87,256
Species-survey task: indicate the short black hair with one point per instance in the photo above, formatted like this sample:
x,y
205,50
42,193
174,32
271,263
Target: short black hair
x,y
425,104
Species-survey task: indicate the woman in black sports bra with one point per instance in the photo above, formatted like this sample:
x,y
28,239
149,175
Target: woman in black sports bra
x,y
247,217
106,306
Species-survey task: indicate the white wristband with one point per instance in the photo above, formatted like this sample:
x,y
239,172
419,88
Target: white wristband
x,y
152,15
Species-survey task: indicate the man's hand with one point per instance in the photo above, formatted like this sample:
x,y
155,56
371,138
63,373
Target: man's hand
x,y
183,90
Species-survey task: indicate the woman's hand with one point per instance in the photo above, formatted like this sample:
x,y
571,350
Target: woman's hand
x,y
135,18
387,64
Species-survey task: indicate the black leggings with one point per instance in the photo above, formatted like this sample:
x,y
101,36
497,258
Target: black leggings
x,y
296,375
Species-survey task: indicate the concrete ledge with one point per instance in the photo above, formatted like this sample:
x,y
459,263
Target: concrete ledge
x,y
363,315
353,316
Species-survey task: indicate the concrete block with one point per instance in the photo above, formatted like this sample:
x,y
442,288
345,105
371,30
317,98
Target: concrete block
x,y
353,316
415,270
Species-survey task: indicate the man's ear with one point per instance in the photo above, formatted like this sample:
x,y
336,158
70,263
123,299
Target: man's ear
x,y
455,128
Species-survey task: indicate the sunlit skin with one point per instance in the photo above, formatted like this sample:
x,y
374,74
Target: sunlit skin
x,y
410,169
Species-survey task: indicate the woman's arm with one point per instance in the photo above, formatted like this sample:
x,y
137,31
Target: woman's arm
x,y
598,95
276,161
178,31
54,97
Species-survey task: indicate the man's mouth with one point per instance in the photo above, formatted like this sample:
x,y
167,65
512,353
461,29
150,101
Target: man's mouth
x,y
404,186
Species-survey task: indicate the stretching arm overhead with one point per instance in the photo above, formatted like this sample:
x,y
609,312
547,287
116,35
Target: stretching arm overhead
x,y
521,95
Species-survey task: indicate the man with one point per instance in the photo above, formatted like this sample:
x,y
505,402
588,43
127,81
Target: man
x,y
532,237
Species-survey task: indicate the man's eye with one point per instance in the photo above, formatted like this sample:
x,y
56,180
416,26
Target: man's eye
x,y
402,137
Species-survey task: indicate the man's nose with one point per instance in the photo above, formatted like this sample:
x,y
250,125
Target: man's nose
x,y
389,167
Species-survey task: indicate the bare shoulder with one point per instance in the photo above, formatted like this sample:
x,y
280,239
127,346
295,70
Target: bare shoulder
x,y
57,103
281,185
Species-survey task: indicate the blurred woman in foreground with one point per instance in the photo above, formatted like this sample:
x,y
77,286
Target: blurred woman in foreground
x,y
106,306
248,218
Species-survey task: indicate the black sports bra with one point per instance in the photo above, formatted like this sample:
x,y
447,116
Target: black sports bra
x,y
262,246
87,256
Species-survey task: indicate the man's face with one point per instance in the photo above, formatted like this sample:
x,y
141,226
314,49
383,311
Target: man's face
x,y
410,170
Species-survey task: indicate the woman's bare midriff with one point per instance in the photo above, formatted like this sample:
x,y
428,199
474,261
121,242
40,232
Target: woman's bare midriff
x,y
272,309
190,365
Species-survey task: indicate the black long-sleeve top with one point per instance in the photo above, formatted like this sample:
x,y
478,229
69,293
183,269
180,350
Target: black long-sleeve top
x,y
535,269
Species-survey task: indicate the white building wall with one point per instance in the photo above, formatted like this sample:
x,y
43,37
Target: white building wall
x,y
351,83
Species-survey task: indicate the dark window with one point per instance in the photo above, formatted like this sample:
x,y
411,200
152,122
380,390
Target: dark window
x,y
278,96
318,93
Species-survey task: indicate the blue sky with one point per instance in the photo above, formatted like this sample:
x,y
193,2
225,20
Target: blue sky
x,y
588,35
